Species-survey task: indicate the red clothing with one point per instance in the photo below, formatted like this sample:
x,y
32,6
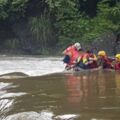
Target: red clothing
x,y
90,59
106,62
73,53
68,49
117,66
93,64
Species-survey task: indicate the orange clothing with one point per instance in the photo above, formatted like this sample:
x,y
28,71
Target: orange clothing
x,y
87,61
68,50
73,54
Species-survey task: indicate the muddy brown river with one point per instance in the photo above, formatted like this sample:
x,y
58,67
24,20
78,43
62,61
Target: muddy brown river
x,y
86,95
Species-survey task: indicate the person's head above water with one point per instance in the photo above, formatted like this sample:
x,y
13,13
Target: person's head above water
x,y
102,53
117,56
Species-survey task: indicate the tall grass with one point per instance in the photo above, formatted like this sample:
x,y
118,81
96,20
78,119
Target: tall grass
x,y
41,31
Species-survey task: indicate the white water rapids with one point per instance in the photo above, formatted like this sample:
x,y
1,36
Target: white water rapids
x,y
30,65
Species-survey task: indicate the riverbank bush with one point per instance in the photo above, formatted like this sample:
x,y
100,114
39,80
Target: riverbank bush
x,y
34,26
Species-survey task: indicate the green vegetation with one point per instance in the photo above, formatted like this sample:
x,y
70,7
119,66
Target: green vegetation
x,y
11,9
39,26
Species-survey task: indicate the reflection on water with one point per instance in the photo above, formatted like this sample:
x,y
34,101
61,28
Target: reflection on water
x,y
117,80
89,95
77,87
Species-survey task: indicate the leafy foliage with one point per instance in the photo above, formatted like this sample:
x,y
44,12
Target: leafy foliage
x,y
12,9
66,23
110,16
3,13
63,20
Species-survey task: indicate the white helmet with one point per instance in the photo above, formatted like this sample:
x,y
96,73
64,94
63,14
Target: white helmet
x,y
77,45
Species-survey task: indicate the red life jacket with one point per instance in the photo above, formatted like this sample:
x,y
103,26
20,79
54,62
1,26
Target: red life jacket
x,y
117,66
94,62
74,54
106,62
68,49
85,57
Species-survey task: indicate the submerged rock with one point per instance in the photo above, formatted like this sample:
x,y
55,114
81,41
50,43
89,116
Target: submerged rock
x,y
44,115
30,116
13,75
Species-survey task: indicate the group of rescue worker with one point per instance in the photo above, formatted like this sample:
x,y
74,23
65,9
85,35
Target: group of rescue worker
x,y
75,57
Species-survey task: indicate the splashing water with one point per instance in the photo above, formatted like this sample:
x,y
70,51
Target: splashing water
x,y
32,66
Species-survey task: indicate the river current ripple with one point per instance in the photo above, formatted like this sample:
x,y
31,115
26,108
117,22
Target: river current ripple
x,y
10,89
84,95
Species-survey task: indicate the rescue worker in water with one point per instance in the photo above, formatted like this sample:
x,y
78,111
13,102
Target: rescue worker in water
x,y
76,58
116,65
87,60
104,61
71,54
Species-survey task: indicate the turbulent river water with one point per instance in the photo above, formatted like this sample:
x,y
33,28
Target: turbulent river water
x,y
32,66
36,88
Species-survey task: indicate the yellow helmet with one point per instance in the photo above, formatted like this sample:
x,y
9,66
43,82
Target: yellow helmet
x,y
102,53
117,56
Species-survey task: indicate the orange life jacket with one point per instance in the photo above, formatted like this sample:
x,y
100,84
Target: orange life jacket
x,y
73,53
68,50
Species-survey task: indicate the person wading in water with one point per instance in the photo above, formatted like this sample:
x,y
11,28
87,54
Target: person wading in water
x,y
71,54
